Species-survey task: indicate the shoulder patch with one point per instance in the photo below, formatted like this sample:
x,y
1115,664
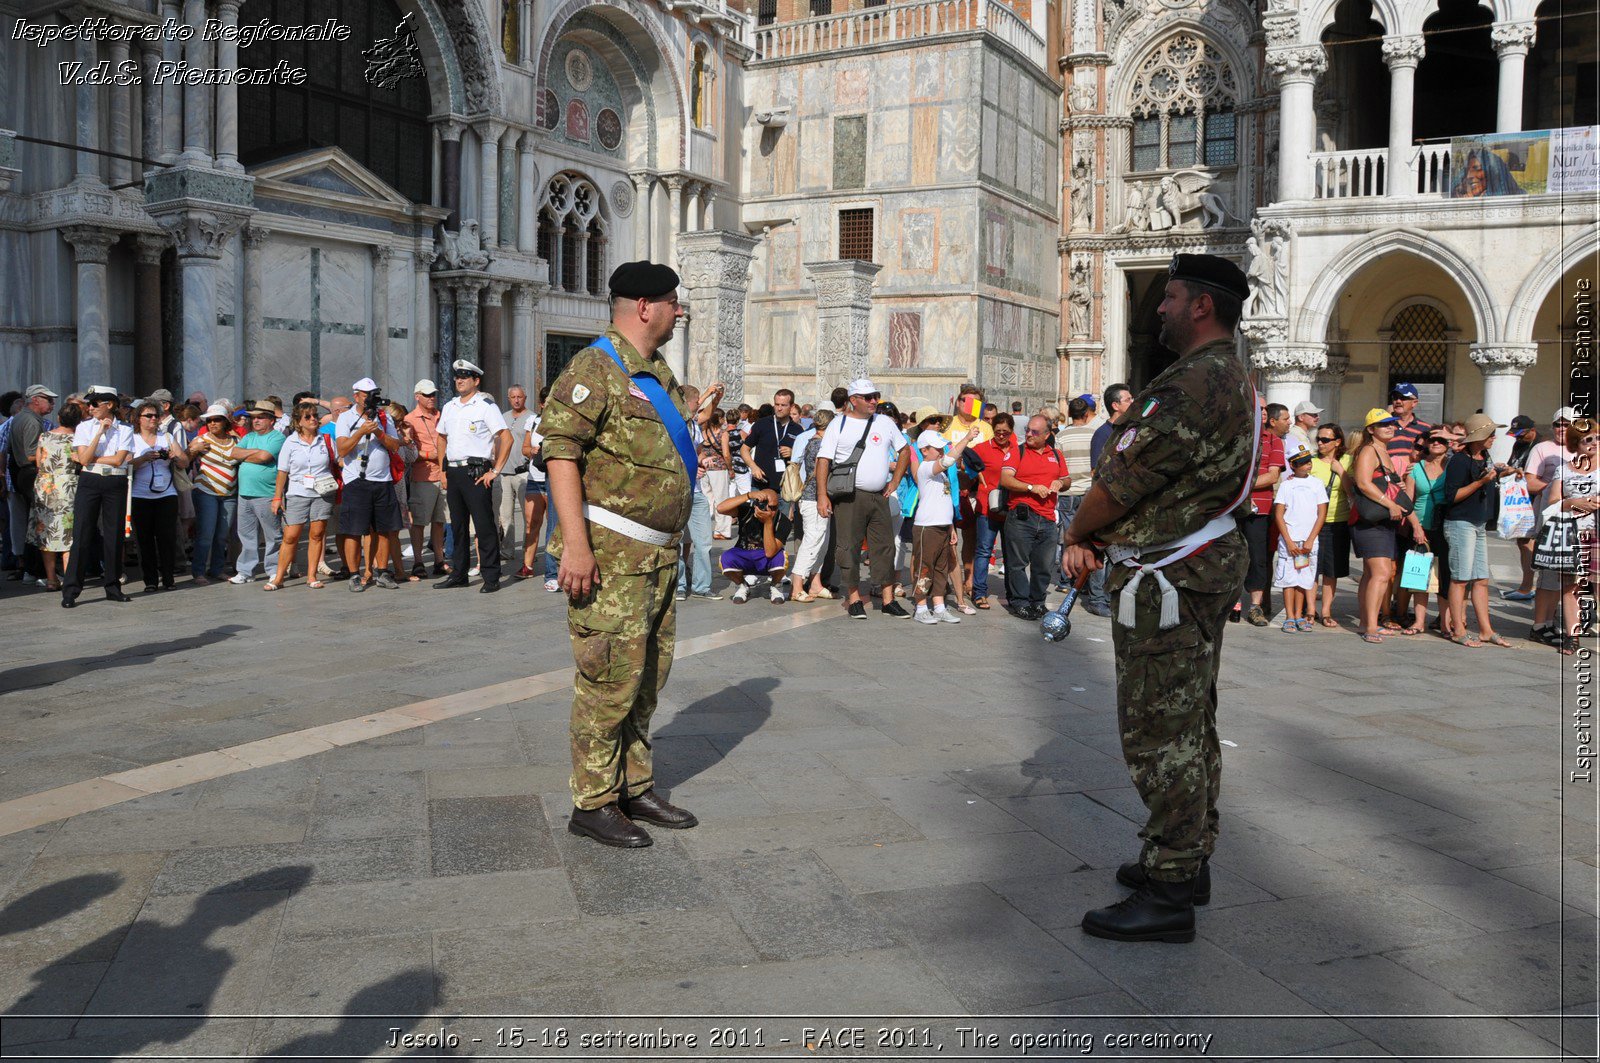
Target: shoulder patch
x,y
1127,439
579,394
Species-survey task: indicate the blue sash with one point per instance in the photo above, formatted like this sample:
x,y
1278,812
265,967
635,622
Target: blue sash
x,y
677,428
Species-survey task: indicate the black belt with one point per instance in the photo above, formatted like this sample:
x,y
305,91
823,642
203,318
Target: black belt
x,y
518,471
469,463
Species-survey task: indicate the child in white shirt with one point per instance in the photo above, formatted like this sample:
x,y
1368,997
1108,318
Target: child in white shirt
x,y
1299,508
933,524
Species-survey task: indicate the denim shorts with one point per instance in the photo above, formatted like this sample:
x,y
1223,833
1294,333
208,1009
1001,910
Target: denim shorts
x,y
535,488
1469,550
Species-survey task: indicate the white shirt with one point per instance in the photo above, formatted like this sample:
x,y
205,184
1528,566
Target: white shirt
x,y
530,429
884,441
153,480
1299,496
304,462
117,437
377,457
470,428
797,450
934,506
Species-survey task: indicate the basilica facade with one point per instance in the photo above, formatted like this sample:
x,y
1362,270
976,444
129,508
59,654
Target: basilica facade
x,y
926,191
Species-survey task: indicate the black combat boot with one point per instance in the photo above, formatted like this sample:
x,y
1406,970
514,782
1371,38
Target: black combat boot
x,y
1157,911
1133,876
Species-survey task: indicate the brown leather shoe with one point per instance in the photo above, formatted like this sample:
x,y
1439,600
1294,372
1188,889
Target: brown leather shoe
x,y
653,808
608,826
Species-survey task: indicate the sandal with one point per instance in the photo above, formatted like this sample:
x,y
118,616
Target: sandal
x,y
1568,645
823,593
981,603
802,596
270,586
1328,621
1302,624
1496,640
1410,631
1389,623
1367,636
1469,641
316,584
1289,626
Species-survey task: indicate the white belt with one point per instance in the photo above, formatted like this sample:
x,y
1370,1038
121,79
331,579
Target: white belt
x,y
623,526
106,470
1127,604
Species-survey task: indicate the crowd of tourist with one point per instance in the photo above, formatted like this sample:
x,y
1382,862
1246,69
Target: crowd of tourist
x,y
795,498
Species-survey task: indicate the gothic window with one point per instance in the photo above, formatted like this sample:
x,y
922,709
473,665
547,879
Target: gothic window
x,y
821,7
1419,345
336,106
572,235
1183,99
595,266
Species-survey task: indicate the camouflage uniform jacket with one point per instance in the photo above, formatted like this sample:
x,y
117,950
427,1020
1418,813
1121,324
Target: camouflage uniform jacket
x,y
599,418
1180,455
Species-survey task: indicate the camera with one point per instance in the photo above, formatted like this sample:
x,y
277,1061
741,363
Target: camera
x,y
374,403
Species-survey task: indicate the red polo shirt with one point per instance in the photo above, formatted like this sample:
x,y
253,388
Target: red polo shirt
x,y
993,457
1271,458
1037,467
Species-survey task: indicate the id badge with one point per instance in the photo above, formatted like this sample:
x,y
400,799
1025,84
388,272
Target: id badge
x,y
780,465
308,481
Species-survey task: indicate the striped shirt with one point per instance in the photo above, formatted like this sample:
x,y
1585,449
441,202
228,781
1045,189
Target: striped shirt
x,y
218,470
1403,447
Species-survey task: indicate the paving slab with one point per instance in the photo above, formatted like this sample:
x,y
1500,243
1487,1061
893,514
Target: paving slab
x,y
791,906
457,902
477,835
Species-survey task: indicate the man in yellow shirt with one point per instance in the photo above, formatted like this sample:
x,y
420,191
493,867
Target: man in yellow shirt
x,y
960,423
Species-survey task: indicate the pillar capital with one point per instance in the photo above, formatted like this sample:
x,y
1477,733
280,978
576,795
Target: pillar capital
x,y
90,243
489,130
524,297
1290,363
1403,50
1303,63
253,236
229,8
150,247
450,129
494,291
1504,359
1514,38
200,233
380,255
527,142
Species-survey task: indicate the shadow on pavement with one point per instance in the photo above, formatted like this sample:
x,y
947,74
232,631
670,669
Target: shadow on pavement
x,y
56,901
370,1028
705,732
33,676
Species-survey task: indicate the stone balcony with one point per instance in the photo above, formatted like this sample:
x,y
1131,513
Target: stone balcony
x,y
897,23
1364,173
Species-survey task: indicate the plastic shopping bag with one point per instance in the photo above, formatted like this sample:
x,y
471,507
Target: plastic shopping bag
x,y
1516,509
1416,570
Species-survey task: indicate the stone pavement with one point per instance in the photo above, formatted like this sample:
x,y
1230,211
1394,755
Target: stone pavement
x,y
897,821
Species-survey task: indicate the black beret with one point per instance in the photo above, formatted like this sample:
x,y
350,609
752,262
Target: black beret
x,y
1209,269
643,280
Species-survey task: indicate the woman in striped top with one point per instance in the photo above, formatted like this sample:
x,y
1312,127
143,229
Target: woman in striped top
x,y
216,479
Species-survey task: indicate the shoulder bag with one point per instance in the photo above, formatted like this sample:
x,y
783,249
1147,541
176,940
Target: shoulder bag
x,y
842,475
1376,512
328,485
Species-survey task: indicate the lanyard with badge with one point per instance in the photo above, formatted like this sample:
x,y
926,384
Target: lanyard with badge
x,y
779,464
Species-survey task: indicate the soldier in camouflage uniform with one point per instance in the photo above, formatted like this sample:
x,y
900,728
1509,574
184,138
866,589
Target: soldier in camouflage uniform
x,y
621,492
1176,465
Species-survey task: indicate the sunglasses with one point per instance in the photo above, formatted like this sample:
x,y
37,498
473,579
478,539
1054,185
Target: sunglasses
x,y
874,397
152,413
1327,439
1438,442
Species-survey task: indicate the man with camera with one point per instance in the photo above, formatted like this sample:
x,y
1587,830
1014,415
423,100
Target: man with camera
x,y
369,509
868,454
475,444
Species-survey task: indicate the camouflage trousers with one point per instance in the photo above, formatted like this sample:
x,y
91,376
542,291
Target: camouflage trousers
x,y
1167,706
622,641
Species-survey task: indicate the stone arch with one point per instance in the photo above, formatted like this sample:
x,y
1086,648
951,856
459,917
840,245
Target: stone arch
x,y
1312,321
1385,13
640,51
1412,15
458,42
1545,275
1121,76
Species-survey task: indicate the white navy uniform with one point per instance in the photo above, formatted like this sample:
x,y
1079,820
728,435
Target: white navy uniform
x,y
470,428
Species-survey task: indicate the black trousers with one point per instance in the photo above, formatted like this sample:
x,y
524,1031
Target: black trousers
x,y
98,516
155,528
23,479
1257,529
1030,542
470,500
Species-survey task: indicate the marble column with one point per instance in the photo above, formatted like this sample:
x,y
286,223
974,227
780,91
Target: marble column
x,y
88,118
1297,69
424,347
492,344
151,119
201,236
1502,365
90,247
674,217
580,254
643,193
489,183
171,94
466,293
844,307
147,347
227,96
524,366
196,134
121,99
527,192
557,258
381,257
1402,54
510,194
692,223
1511,43
708,196
444,293
252,238
450,173
716,272
1288,369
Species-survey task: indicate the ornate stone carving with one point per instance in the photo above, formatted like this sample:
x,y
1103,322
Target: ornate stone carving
x,y
1078,298
1268,269
1514,37
1081,98
462,250
1180,201
715,267
844,305
622,199
475,45
1305,63
201,233
150,248
1082,192
1504,359
254,236
1280,26
1288,363
1403,51
89,243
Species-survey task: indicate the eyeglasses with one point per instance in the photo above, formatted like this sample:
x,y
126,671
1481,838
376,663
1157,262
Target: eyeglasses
x,y
1038,432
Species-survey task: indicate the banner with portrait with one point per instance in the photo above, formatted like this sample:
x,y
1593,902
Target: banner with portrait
x,y
1499,164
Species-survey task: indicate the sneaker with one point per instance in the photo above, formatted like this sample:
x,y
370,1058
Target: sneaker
x,y
946,616
473,571
741,595
356,586
778,597
1517,596
1256,617
386,581
682,595
924,617
895,609
858,611
551,585
706,596
238,578
522,573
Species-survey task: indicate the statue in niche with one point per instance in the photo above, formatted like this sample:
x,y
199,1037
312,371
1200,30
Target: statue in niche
x,y
1078,299
510,31
1267,273
1082,193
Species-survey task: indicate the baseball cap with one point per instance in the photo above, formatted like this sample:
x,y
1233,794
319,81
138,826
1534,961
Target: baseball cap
x,y
366,383
36,390
1378,415
863,386
1566,413
930,438
1307,407
1086,397
161,395
426,387
1404,391
1521,423
1479,426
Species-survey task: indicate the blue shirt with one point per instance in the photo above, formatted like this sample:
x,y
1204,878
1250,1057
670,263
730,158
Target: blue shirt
x,y
1097,443
256,480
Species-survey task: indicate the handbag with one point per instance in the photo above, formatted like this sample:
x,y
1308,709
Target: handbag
x,y
1417,570
793,485
1559,548
842,476
328,486
1376,512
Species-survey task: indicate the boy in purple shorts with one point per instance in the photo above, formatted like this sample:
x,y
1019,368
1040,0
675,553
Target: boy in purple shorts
x,y
758,547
